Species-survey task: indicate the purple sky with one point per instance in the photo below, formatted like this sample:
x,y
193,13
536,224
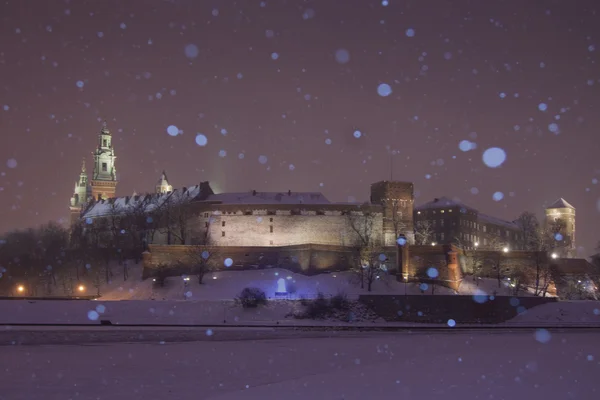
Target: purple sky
x,y
458,70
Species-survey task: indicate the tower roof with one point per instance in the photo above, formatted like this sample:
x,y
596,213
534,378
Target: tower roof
x,y
163,179
560,203
104,129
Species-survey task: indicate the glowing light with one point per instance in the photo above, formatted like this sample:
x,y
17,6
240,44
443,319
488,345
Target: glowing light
x,y
93,315
342,56
498,196
20,288
79,84
81,288
553,127
542,336
476,244
401,241
494,157
465,145
274,56
222,153
554,255
11,163
542,106
172,130
558,237
327,141
451,323
308,13
228,262
384,90
357,134
505,249
201,140
205,255
410,32
432,272
281,286
384,3
191,51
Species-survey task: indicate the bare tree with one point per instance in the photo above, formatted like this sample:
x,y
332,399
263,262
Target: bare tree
x,y
175,216
367,247
473,258
424,232
529,227
202,254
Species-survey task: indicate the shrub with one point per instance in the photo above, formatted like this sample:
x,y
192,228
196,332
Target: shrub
x,y
318,308
340,302
252,297
161,274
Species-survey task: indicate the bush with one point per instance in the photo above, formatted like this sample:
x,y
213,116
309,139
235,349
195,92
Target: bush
x,y
318,308
340,302
252,297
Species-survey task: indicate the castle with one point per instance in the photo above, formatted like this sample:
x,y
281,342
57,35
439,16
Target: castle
x,y
263,219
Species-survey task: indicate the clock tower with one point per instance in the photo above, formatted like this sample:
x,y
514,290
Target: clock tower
x,y
104,176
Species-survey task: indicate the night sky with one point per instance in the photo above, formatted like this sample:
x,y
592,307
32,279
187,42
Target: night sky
x,y
280,89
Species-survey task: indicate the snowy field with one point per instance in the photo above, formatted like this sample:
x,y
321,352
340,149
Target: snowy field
x,y
226,312
226,285
518,366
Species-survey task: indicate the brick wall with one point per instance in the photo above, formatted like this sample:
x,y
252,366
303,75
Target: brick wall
x,y
306,259
282,229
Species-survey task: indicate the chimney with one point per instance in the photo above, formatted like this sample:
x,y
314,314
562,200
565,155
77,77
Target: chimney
x,y
289,192
254,193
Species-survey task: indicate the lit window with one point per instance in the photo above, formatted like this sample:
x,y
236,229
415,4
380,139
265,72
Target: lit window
x,y
104,167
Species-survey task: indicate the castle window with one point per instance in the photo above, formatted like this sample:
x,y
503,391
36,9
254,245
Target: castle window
x,y
104,167
247,212
270,219
222,233
205,215
271,242
270,212
271,228
223,224
206,224
104,143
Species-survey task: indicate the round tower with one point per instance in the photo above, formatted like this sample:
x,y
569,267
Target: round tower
x,y
560,223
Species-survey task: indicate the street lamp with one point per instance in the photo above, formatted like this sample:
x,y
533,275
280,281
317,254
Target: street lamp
x,y
81,288
20,288
505,249
554,255
476,244
433,243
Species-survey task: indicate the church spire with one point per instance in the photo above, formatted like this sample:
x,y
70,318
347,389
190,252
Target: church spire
x,y
163,186
104,176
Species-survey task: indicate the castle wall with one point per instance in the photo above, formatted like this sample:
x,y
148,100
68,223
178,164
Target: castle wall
x,y
276,228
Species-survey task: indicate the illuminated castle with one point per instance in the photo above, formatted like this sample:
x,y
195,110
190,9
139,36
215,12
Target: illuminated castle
x,y
560,221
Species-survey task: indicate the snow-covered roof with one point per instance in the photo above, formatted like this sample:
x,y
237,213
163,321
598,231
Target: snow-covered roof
x,y
561,203
254,197
149,202
496,221
443,202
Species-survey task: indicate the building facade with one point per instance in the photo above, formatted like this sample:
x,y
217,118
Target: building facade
x,y
452,222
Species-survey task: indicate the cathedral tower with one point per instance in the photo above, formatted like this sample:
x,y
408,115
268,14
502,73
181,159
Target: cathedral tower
x,y
81,194
104,177
560,222
163,186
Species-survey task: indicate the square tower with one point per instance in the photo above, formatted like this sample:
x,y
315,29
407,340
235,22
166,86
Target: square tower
x,y
397,199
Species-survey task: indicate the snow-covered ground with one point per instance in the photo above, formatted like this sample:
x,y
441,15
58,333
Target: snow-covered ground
x,y
226,285
521,366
